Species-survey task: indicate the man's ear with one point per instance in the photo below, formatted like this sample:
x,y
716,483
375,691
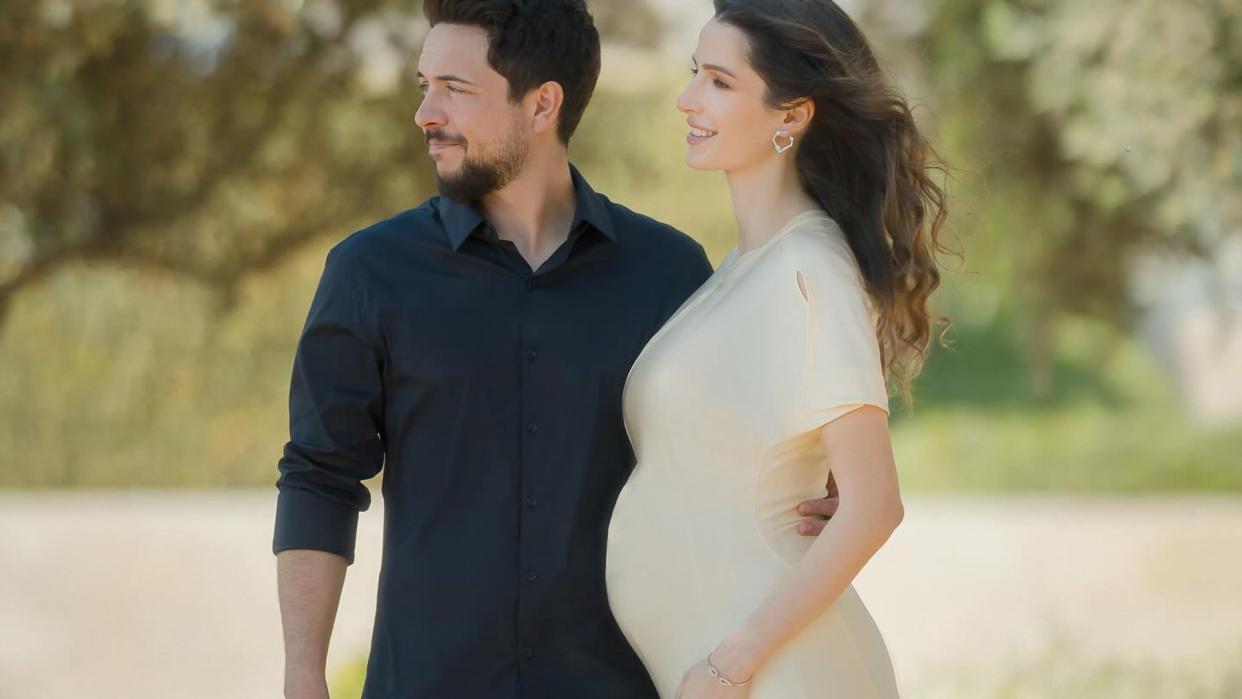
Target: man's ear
x,y
547,100
798,117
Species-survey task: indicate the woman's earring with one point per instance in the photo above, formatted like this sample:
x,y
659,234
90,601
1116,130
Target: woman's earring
x,y
776,141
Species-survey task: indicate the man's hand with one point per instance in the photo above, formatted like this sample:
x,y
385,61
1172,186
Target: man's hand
x,y
816,512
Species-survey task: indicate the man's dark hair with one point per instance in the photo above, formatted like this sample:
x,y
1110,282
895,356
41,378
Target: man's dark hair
x,y
532,42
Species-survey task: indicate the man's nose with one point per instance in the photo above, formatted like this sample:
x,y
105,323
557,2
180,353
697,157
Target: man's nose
x,y
429,115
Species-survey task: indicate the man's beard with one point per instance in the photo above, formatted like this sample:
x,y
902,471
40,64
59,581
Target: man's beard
x,y
478,177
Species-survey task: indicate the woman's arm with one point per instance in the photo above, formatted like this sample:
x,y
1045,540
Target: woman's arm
x,y
860,452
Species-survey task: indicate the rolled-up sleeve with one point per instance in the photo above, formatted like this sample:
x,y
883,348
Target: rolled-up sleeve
x,y
336,403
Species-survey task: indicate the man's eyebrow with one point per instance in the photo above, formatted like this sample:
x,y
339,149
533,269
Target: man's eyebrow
x,y
449,79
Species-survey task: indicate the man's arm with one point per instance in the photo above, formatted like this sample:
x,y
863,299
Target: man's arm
x,y
309,584
336,415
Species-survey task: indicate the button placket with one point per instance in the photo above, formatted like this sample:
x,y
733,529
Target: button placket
x,y
531,369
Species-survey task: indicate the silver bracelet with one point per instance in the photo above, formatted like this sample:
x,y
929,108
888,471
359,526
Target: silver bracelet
x,y
711,667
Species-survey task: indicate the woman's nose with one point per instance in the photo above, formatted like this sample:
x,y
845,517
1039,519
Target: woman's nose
x,y
686,102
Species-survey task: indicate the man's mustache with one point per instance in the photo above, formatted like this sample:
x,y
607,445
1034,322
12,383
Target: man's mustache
x,y
442,138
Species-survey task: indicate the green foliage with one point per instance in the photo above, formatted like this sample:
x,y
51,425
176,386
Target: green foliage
x,y
204,138
1084,448
1087,132
1111,424
1147,101
119,378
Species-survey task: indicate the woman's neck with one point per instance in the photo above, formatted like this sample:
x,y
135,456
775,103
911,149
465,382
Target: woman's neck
x,y
765,197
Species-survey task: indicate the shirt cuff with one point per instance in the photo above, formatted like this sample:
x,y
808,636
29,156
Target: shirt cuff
x,y
307,520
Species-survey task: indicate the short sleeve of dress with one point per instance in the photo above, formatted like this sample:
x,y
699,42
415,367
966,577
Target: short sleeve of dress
x,y
841,365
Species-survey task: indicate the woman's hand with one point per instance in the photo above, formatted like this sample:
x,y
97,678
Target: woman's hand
x,y
698,683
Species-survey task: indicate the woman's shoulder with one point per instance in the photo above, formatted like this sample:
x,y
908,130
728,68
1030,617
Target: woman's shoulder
x,y
817,247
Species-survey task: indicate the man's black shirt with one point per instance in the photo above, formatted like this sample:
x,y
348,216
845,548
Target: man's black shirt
x,y
491,395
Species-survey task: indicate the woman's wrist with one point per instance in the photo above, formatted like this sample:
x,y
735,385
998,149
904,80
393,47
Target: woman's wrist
x,y
738,657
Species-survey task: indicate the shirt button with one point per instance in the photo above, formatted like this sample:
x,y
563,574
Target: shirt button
x,y
531,501
532,427
528,652
531,355
530,576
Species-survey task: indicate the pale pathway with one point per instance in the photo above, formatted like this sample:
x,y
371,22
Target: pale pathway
x,y
131,595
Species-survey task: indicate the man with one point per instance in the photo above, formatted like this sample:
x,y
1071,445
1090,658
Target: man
x,y
477,347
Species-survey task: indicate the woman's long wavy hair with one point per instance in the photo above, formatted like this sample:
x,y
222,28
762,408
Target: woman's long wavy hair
x,y
862,159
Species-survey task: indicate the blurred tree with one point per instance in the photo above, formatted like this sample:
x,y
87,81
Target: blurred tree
x,y
209,138
1096,130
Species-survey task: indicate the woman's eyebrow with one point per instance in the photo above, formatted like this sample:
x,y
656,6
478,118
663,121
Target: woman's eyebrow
x,y
719,69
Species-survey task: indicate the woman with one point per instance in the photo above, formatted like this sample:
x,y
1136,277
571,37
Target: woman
x,y
776,369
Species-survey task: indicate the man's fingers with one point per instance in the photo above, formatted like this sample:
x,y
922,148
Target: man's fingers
x,y
823,507
815,514
811,527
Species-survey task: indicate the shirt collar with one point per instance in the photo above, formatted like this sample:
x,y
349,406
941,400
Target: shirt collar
x,y
460,220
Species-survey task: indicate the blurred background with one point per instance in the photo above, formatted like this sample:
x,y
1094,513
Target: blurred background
x,y
172,173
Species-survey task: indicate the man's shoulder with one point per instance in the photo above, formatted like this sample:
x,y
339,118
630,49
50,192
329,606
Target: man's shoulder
x,y
649,234
412,226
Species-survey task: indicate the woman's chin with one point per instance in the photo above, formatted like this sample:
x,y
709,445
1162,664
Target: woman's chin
x,y
697,162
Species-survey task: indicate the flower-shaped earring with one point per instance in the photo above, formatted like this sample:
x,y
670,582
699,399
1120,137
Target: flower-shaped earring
x,y
776,141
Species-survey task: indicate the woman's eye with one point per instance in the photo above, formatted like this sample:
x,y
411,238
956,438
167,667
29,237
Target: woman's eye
x,y
720,84
453,89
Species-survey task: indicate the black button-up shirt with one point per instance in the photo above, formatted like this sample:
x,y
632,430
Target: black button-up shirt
x,y
491,395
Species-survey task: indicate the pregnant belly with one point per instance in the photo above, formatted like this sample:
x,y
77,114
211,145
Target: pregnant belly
x,y
682,572
652,590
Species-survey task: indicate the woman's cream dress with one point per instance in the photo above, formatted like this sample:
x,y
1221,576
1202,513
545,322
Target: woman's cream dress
x,y
723,406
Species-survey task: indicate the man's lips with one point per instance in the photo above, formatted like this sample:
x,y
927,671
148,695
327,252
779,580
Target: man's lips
x,y
438,147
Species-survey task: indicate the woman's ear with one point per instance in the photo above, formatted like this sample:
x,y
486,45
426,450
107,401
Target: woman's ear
x,y
798,117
